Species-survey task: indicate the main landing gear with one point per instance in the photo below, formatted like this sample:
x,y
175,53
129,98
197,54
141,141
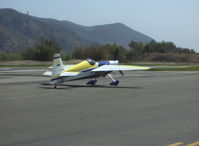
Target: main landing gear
x,y
92,82
114,82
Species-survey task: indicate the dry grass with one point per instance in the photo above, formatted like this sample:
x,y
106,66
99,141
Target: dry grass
x,y
172,57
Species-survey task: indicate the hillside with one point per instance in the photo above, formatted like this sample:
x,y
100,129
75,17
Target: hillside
x,y
17,31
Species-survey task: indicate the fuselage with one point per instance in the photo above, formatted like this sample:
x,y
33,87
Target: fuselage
x,y
85,70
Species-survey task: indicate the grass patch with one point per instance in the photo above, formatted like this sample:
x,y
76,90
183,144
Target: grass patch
x,y
162,64
191,68
159,64
36,65
10,56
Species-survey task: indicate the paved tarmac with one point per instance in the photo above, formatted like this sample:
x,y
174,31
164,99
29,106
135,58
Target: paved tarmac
x,y
146,109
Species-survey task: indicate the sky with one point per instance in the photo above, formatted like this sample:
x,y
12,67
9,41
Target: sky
x,y
163,20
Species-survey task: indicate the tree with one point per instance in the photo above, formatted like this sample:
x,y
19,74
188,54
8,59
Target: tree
x,y
137,51
137,45
117,52
103,52
43,50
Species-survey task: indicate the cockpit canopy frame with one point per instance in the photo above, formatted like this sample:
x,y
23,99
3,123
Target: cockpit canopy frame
x,y
91,61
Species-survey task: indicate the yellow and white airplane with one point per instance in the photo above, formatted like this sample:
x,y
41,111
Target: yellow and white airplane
x,y
86,69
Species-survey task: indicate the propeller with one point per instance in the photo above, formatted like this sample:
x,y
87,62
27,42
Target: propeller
x,y
121,72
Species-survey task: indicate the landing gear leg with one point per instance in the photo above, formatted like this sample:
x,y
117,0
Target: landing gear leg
x,y
114,82
55,86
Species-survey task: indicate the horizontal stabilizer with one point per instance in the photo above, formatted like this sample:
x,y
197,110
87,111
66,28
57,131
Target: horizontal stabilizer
x,y
68,74
65,66
119,67
48,73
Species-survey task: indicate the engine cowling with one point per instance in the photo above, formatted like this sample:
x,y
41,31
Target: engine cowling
x,y
114,62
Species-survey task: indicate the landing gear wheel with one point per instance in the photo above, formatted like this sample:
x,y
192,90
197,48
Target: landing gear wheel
x,y
92,82
115,82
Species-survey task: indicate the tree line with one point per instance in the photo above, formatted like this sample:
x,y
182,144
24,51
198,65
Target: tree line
x,y
44,49
138,51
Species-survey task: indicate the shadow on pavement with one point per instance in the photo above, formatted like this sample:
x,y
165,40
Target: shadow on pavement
x,y
88,86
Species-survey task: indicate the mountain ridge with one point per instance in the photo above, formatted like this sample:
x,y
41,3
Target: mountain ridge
x,y
18,31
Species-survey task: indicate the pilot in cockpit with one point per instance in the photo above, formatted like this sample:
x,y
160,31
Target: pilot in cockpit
x,y
92,62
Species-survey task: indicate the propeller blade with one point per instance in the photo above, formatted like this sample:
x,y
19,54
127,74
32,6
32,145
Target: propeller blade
x,y
121,72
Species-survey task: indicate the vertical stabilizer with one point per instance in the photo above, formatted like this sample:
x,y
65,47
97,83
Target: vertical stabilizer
x,y
58,67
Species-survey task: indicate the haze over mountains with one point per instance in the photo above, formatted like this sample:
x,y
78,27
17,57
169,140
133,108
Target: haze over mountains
x,y
18,31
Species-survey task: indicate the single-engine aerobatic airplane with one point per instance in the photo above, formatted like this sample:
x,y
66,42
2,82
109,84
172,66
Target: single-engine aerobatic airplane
x,y
86,69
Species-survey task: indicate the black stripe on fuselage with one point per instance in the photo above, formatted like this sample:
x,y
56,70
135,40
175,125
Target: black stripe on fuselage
x,y
98,74
56,78
56,57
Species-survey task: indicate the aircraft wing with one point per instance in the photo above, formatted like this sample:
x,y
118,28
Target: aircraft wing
x,y
119,68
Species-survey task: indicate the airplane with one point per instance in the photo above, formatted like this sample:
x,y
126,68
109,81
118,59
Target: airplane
x,y
86,69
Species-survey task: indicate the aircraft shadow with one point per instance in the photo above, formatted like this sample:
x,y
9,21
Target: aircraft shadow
x,y
88,86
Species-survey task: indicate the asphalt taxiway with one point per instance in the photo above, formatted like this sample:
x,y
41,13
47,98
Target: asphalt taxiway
x,y
147,108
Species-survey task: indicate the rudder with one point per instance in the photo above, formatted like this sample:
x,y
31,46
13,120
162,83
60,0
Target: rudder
x,y
58,68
